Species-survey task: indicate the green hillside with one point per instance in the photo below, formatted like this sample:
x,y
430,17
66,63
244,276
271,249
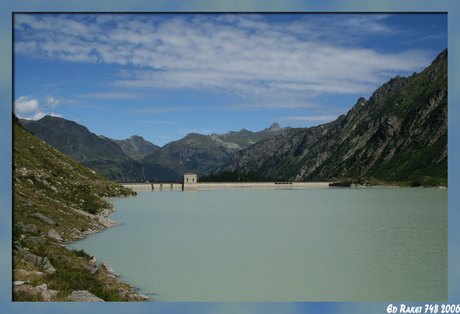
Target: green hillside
x,y
56,201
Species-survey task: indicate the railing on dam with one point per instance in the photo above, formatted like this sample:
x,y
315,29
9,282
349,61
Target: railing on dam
x,y
154,186
179,186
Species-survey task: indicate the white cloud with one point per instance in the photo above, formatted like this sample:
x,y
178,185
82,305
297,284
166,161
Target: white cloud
x,y
238,54
24,105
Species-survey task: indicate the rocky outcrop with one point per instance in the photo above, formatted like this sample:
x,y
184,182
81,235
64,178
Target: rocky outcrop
x,y
42,262
41,291
93,269
45,219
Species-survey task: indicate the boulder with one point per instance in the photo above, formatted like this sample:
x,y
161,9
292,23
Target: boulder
x,y
142,297
93,269
24,273
93,259
106,267
40,261
83,296
21,286
54,234
30,228
41,290
45,219
106,222
47,266
29,202
36,240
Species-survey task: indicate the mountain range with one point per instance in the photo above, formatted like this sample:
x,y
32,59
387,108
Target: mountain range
x,y
108,157
398,134
202,154
137,160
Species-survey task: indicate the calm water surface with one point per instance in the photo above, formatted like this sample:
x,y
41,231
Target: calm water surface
x,y
373,244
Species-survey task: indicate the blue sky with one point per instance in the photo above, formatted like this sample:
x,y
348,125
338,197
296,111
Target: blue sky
x,y
162,76
385,6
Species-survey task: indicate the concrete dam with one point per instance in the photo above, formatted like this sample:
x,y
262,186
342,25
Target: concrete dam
x,y
190,184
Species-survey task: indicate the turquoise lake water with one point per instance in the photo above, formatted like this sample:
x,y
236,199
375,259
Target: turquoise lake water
x,y
337,244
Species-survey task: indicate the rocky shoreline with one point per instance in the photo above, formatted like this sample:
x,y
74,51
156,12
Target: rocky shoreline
x,y
57,201
101,222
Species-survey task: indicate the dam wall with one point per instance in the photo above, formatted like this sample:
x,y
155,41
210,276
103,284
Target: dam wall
x,y
139,187
262,185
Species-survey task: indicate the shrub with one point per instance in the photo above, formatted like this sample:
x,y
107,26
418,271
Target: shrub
x,y
81,253
415,183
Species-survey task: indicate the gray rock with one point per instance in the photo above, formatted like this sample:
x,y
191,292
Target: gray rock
x,y
93,259
143,297
29,202
42,290
21,286
108,223
30,228
45,219
36,240
106,267
40,261
54,234
93,269
47,266
23,272
83,296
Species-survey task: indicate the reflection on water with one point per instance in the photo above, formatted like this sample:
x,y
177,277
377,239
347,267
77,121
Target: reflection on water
x,y
374,244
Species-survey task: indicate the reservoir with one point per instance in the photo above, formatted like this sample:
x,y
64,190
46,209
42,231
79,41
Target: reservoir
x,y
332,244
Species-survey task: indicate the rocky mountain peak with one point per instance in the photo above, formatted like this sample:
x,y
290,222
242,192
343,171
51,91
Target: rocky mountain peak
x,y
274,127
440,57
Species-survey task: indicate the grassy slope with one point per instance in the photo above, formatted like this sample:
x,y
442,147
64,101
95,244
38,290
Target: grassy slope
x,y
48,182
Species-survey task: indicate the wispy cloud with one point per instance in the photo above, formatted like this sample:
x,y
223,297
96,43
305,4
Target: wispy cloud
x,y
113,95
158,122
245,55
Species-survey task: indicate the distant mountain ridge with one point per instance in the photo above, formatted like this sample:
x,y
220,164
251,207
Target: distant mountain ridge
x,y
134,146
74,140
101,154
201,154
135,159
400,134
